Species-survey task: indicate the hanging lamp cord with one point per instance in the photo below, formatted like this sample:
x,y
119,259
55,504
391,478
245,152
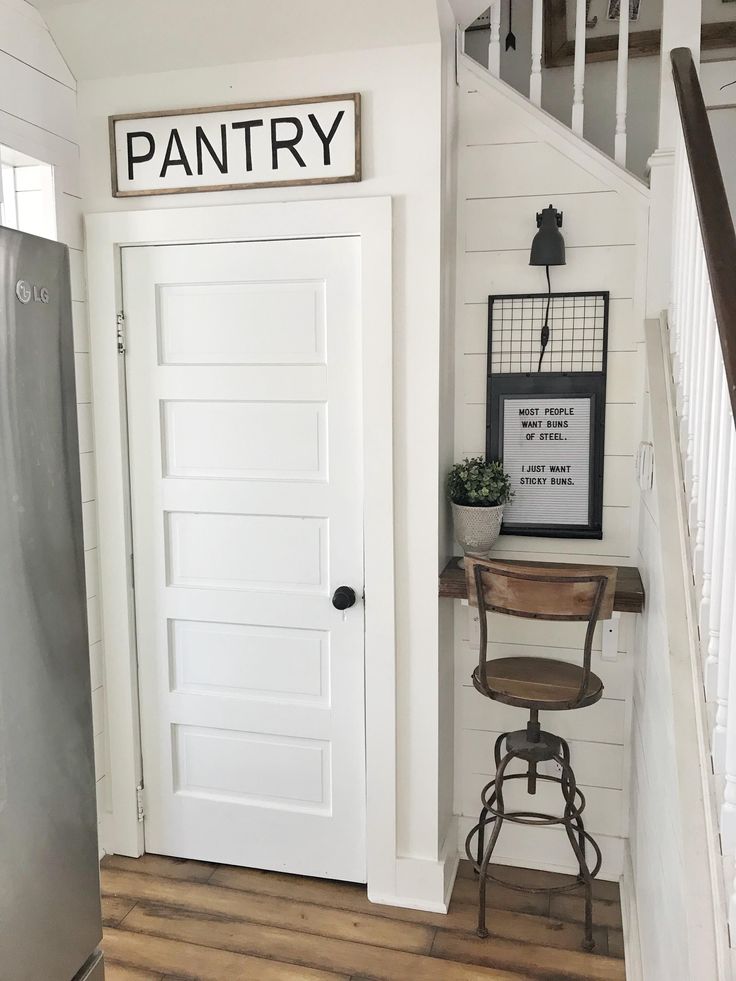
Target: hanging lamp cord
x,y
545,330
511,37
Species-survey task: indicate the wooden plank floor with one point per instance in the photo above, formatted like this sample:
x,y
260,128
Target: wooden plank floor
x,y
169,919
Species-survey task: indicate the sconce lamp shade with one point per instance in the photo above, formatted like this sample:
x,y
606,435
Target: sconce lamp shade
x,y
548,245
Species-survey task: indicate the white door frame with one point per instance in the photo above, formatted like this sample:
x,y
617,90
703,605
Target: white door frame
x,y
369,219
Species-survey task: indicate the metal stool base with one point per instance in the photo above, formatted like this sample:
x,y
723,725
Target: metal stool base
x,y
534,746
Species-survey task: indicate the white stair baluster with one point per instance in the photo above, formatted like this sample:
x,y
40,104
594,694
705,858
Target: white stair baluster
x,y
697,402
732,905
622,84
494,43
578,84
679,255
728,577
686,280
678,252
712,670
695,355
728,626
714,506
535,78
687,327
704,447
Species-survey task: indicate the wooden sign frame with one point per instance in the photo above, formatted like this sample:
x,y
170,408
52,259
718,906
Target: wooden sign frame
x,y
509,388
505,387
355,176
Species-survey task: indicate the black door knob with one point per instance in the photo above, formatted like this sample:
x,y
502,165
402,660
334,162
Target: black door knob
x,y
343,598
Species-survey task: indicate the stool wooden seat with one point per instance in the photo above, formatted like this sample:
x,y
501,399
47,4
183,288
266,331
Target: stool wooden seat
x,y
537,683
570,593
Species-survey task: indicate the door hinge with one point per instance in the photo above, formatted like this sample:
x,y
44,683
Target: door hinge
x,y
120,322
139,802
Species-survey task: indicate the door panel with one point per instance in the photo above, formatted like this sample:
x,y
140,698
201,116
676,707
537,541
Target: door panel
x,y
242,440
244,393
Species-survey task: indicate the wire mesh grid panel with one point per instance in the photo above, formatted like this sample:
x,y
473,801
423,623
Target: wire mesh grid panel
x,y
578,332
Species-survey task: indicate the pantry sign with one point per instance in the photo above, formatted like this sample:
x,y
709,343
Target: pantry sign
x,y
259,144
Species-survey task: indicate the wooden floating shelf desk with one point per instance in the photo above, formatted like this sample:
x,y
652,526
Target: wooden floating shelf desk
x,y
629,596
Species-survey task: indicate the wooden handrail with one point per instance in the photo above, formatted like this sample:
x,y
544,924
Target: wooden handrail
x,y
716,223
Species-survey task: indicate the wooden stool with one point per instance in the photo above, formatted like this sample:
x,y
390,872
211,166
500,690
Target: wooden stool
x,y
541,592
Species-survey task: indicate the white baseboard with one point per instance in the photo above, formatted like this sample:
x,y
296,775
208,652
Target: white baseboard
x,y
630,917
424,884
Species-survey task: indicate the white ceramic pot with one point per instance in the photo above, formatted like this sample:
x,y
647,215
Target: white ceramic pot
x,y
477,529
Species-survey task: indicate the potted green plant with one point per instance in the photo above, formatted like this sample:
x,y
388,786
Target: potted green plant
x,y
478,490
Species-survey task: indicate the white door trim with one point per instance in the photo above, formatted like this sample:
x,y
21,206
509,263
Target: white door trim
x,y
370,220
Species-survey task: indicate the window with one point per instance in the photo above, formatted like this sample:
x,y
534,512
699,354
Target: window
x,y
27,194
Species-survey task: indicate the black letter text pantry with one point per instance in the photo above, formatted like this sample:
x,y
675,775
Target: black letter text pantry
x,y
237,147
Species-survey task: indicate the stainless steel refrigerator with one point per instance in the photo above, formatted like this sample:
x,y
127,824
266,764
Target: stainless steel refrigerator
x,y
50,924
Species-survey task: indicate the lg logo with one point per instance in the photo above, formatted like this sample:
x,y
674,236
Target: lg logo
x,y
26,292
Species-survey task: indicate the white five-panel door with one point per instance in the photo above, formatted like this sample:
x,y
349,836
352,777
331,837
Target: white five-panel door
x,y
244,414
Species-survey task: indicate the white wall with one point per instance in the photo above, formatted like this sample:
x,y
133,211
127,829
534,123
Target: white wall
x,y
143,36
656,851
446,421
401,93
721,104
514,160
38,118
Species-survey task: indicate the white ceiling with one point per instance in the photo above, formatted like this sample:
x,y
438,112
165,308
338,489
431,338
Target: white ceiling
x,y
103,38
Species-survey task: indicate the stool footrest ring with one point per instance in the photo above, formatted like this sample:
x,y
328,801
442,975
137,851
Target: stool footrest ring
x,y
548,889
518,817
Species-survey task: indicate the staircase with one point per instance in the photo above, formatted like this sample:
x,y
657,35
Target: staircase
x,y
702,351
513,160
540,41
666,249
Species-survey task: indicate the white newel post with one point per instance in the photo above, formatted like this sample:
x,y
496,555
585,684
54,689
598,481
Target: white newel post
x,y
578,83
622,84
535,77
681,20
494,43
680,28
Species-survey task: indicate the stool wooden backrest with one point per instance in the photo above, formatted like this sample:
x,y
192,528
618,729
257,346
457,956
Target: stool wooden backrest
x,y
541,591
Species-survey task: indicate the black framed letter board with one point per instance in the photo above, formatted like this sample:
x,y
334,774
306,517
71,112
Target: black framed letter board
x,y
546,421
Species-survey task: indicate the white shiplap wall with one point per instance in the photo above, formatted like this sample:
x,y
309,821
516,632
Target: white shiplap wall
x,y
38,117
656,842
515,160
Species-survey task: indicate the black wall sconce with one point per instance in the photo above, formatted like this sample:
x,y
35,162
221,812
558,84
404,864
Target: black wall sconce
x,y
548,249
546,399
